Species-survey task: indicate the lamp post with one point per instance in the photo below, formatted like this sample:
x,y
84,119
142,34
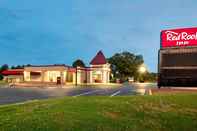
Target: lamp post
x,y
117,77
142,69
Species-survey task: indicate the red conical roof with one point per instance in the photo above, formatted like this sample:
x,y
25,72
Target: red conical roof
x,y
99,59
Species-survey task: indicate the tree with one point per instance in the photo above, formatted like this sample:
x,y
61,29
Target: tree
x,y
28,65
4,67
20,66
79,63
13,67
1,77
151,77
125,65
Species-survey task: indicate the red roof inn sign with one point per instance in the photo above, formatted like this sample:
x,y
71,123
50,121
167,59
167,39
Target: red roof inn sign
x,y
179,37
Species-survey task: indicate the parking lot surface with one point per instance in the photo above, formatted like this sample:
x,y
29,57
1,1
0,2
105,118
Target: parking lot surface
x,y
21,94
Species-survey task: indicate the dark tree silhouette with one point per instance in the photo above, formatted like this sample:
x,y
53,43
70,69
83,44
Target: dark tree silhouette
x,y
125,64
4,67
79,63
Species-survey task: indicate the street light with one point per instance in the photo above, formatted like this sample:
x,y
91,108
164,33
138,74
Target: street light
x,y
142,69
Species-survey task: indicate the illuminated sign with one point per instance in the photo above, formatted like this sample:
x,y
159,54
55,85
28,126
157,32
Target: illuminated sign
x,y
179,37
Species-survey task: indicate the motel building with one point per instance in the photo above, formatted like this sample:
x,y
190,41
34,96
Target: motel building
x,y
97,73
177,61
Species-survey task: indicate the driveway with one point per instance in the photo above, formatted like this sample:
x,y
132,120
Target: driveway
x,y
15,95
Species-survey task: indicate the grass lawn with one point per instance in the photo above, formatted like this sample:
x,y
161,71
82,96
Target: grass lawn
x,y
137,113
2,83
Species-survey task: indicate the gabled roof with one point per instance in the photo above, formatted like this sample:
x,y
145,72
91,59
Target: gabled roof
x,y
99,59
13,72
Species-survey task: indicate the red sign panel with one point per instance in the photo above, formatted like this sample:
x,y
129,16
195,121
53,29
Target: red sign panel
x,y
179,37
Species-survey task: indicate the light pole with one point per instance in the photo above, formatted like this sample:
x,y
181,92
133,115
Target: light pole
x,y
142,69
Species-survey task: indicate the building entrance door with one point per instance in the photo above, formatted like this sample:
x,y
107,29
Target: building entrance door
x,y
58,80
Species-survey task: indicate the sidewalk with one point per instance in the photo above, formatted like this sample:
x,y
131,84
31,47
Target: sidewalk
x,y
169,90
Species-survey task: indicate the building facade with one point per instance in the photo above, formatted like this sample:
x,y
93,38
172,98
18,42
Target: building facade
x,y
178,58
97,73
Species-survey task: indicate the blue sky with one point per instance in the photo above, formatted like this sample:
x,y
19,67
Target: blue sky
x,y
52,32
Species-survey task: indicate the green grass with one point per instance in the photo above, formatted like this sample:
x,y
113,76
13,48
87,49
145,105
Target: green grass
x,y
2,83
135,113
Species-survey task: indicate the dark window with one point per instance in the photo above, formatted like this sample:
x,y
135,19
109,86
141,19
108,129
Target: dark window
x,y
179,59
186,73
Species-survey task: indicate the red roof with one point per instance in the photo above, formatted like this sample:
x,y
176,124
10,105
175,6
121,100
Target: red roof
x,y
13,72
99,59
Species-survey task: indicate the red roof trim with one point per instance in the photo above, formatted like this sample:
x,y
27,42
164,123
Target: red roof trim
x,y
99,59
12,72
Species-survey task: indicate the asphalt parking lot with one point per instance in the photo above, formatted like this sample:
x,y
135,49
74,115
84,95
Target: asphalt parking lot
x,y
22,94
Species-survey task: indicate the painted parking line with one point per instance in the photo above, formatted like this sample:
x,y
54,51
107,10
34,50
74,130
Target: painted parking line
x,y
86,93
116,93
